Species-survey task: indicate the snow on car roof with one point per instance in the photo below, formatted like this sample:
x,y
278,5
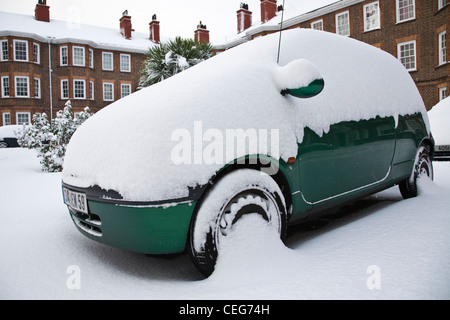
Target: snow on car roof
x,y
137,135
9,131
439,117
67,31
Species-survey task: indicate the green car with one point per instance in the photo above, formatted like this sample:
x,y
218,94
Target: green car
x,y
174,166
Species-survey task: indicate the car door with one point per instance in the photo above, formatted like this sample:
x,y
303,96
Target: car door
x,y
352,156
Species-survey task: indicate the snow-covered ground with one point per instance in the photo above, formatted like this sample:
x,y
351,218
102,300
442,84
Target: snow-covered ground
x,y
381,247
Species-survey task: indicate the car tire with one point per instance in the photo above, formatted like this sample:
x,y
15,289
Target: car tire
x,y
240,192
423,166
3,145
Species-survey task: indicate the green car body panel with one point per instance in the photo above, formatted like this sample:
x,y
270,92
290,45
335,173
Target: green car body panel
x,y
351,160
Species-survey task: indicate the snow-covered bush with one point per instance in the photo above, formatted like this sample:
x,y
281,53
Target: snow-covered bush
x,y
168,59
50,138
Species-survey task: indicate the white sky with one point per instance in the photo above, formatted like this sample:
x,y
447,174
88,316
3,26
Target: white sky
x,y
177,17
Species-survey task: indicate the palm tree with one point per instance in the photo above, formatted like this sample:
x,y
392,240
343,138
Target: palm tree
x,y
168,59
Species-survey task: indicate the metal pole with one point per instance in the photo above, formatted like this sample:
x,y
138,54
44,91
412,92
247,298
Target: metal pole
x,y
50,39
281,29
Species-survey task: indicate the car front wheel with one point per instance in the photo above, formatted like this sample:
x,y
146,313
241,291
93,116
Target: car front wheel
x,y
3,145
423,167
240,192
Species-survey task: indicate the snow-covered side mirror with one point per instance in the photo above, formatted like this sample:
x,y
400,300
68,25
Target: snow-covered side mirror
x,y
299,78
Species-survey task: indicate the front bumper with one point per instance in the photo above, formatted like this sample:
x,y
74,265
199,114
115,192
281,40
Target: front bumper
x,y
160,228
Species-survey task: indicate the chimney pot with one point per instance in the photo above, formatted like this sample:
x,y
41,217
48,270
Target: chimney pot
x,y
268,10
125,25
154,30
42,11
201,34
244,18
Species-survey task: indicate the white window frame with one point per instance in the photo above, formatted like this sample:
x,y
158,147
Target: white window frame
x,y
3,87
399,53
91,58
441,4
17,87
367,27
104,66
15,50
74,56
62,56
6,118
122,69
442,93
37,90
36,53
127,85
107,84
27,114
66,82
91,90
442,47
317,25
75,81
399,13
347,25
3,51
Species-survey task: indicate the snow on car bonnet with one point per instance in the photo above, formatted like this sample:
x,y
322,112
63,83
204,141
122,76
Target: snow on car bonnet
x,y
130,145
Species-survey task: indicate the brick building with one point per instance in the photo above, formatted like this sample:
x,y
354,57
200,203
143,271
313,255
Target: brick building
x,y
44,63
414,31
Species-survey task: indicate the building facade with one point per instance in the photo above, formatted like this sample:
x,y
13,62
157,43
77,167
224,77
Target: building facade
x,y
51,62
414,31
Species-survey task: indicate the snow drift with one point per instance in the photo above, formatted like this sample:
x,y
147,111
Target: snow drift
x,y
127,146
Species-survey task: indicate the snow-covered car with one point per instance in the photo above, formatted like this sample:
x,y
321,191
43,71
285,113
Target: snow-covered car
x,y
439,117
174,166
8,136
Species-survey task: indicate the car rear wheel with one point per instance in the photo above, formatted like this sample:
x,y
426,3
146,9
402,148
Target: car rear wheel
x,y
240,192
423,167
3,145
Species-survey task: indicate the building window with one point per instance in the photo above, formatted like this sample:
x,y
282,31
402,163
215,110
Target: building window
x,y
343,24
5,55
5,87
20,50
64,53
442,47
125,63
22,87
317,25
407,55
91,90
37,88
91,58
36,53
107,61
108,91
442,93
6,118
65,89
405,10
79,89
22,118
372,16
125,89
441,4
78,56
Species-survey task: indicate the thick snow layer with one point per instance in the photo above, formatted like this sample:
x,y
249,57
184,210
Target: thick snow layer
x,y
9,131
439,117
401,245
128,145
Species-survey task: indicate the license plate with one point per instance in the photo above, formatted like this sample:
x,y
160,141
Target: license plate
x,y
75,200
443,148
